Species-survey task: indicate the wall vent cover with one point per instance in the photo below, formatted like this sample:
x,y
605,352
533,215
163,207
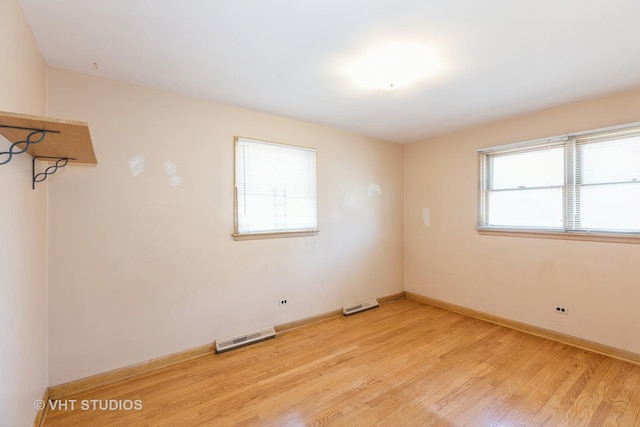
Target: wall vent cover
x,y
360,306
236,341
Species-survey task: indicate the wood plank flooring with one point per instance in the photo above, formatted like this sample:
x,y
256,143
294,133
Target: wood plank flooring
x,y
404,363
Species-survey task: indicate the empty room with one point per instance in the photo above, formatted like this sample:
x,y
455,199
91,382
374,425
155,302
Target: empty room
x,y
342,213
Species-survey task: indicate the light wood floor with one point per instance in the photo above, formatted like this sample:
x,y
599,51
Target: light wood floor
x,y
404,363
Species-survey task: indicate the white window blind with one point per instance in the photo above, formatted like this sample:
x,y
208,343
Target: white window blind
x,y
275,188
607,189
582,183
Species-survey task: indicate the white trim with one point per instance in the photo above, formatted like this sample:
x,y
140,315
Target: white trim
x,y
554,139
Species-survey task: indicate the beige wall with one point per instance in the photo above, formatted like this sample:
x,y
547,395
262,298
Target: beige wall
x,y
140,269
517,278
23,238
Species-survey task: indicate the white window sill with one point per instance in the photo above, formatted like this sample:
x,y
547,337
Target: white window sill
x,y
561,235
274,235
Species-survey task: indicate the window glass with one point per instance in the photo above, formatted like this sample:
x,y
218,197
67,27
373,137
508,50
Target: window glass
x,y
539,168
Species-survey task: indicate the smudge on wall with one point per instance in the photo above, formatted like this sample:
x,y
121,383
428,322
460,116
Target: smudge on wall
x,y
374,188
426,217
171,170
136,164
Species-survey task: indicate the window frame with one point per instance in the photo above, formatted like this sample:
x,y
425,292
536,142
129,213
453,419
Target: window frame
x,y
271,234
570,189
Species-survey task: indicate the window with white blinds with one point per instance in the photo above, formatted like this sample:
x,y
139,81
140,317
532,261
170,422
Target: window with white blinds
x,y
584,183
275,189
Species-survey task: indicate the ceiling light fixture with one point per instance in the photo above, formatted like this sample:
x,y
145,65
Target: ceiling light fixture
x,y
393,65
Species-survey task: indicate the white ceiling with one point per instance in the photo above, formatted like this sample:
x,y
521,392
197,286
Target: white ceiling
x,y
501,57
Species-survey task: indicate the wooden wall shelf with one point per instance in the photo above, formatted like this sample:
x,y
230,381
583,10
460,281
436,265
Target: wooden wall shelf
x,y
47,139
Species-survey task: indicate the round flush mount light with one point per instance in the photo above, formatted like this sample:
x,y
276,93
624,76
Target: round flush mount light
x,y
393,65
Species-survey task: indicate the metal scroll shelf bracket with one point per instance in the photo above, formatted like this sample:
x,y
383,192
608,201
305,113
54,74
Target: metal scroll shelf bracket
x,y
35,136
39,177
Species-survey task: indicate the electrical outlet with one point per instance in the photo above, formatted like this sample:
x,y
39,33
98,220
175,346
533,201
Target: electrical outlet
x,y
283,301
562,310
